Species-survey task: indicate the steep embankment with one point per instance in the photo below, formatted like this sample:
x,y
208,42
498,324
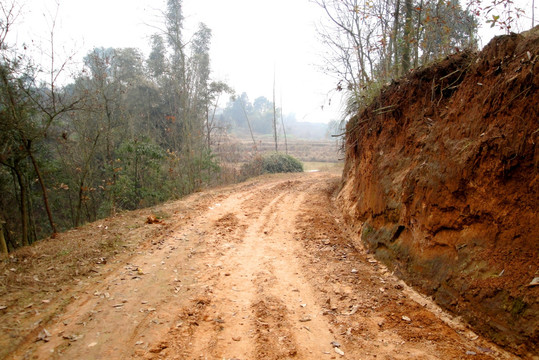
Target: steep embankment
x,y
441,180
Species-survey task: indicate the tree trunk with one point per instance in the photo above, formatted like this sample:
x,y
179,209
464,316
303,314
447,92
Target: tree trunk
x,y
23,205
274,114
418,35
136,182
396,25
3,244
32,229
79,204
248,123
284,130
44,191
407,37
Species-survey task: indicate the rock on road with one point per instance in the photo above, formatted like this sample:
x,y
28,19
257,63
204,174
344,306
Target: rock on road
x,y
260,270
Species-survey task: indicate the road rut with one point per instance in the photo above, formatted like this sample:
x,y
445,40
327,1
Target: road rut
x,y
262,270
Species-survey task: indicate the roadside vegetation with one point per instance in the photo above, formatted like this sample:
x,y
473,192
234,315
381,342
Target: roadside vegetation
x,y
271,164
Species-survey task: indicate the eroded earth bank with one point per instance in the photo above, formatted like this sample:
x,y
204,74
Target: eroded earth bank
x,y
442,184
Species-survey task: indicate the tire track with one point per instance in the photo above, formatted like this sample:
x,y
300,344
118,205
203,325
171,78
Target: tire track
x,y
261,301
263,271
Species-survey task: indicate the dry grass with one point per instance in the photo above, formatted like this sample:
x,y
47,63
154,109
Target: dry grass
x,y
51,263
321,151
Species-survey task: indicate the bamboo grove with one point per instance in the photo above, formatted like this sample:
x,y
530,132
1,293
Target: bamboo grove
x,y
125,132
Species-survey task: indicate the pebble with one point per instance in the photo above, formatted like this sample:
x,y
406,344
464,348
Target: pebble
x,y
44,335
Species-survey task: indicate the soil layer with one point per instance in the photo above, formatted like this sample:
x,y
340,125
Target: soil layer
x,y
441,182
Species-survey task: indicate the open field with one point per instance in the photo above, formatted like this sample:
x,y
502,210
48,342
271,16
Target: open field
x,y
242,150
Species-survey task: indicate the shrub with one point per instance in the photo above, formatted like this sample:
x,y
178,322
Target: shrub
x,y
281,163
252,168
273,163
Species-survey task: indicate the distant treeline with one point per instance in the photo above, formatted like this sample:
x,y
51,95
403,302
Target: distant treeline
x,y
259,113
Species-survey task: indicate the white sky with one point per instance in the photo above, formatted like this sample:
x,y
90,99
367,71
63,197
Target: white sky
x,y
250,39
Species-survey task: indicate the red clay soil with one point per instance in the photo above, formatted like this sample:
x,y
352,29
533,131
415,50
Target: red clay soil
x,y
441,181
260,270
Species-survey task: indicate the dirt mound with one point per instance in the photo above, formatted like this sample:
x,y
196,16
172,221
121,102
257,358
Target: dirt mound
x,y
441,181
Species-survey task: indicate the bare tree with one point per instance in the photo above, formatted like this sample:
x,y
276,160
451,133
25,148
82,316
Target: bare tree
x,y
274,114
370,43
215,92
248,123
284,129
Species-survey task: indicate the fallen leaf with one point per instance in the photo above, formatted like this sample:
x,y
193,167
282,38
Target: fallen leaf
x,y
152,219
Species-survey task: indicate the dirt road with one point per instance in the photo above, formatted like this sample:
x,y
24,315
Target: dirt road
x,y
263,270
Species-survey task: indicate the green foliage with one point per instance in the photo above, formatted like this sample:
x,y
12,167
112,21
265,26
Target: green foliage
x,y
127,132
281,163
271,164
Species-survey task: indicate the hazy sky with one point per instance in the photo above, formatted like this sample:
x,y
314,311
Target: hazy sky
x,y
251,38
